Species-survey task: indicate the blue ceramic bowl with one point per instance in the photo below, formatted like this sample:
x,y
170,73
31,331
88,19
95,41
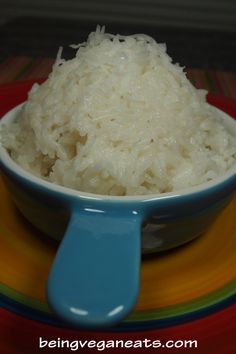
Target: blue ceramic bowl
x,y
94,281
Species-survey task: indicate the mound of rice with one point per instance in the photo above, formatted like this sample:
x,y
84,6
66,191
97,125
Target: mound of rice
x,y
121,119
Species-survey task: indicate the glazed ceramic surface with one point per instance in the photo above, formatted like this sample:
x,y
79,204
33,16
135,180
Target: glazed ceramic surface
x,y
94,280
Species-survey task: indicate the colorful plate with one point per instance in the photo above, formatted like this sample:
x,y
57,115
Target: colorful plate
x,y
176,287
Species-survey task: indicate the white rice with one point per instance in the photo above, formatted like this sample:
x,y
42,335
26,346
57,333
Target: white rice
x,y
120,119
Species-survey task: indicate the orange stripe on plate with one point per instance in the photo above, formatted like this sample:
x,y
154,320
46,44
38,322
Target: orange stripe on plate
x,y
228,81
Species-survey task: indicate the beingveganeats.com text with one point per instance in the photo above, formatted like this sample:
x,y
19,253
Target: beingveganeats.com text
x,y
101,345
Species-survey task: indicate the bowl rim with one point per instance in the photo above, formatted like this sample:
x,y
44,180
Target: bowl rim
x,y
13,167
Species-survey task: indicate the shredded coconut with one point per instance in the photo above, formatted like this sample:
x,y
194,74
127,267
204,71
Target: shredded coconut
x,y
121,119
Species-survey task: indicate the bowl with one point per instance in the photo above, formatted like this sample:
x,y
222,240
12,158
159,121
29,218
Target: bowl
x,y
94,280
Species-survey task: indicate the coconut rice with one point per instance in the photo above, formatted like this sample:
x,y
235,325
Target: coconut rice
x,y
119,119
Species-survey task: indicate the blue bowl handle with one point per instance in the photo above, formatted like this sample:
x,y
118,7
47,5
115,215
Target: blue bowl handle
x,y
94,280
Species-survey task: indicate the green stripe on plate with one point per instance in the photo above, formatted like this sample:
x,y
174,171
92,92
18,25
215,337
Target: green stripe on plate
x,y
23,299
24,69
162,313
188,307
